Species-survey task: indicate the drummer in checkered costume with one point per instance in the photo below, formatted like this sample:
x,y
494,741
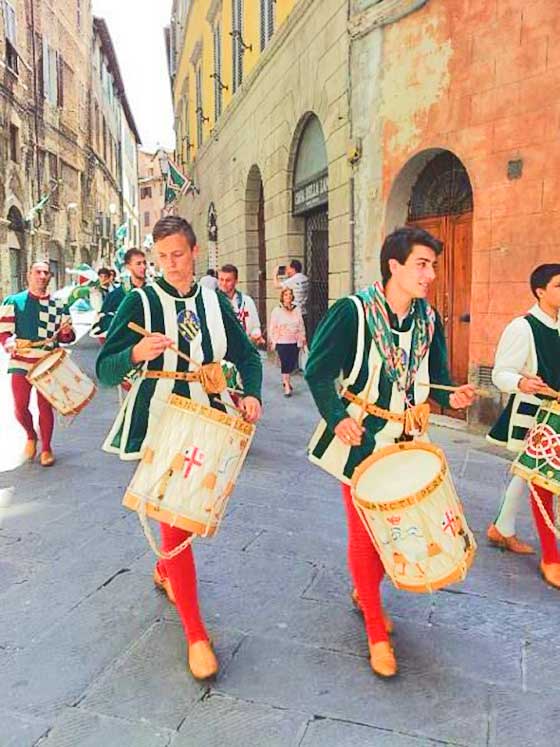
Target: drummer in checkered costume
x,y
201,324
528,360
32,323
384,343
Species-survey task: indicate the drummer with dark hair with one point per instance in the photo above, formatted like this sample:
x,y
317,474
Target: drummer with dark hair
x,y
179,315
527,362
385,343
32,323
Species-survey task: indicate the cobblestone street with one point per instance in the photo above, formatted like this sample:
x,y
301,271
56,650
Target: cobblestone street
x,y
92,654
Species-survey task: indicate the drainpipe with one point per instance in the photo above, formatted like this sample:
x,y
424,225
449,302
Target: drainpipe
x,y
352,220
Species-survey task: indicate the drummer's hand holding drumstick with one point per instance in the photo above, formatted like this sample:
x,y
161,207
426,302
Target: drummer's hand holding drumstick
x,y
10,344
531,384
251,409
463,396
349,432
150,347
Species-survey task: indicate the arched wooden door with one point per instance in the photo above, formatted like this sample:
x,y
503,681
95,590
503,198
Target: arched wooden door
x,y
441,203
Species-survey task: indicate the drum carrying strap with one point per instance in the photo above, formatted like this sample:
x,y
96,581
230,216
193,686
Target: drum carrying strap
x,y
415,419
180,375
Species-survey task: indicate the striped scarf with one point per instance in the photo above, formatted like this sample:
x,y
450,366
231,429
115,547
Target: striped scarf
x,y
400,371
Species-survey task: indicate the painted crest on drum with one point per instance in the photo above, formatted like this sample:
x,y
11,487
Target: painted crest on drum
x,y
188,324
544,443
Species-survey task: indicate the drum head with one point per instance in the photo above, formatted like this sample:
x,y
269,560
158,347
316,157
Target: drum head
x,y
385,478
46,363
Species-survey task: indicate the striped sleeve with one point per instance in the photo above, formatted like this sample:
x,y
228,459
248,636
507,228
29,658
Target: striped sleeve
x,y
7,318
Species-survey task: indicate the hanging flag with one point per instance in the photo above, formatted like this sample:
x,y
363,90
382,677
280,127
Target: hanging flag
x,y
38,208
177,184
121,233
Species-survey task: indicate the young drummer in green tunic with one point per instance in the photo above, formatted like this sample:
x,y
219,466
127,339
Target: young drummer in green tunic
x,y
385,343
135,264
527,361
203,326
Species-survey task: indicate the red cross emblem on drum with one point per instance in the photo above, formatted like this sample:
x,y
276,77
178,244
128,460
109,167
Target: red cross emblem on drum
x,y
543,443
193,458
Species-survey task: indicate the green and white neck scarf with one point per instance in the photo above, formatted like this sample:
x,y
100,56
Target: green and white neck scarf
x,y
399,369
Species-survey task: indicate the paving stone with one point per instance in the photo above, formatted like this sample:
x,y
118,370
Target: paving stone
x,y
28,611
494,618
21,731
55,671
541,664
343,687
306,545
218,720
78,728
524,720
329,733
152,680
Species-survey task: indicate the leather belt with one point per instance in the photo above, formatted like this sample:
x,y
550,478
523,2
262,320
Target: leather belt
x,y
371,409
180,375
414,419
22,344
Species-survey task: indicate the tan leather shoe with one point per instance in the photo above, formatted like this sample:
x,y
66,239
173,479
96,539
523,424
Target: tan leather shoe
x,y
551,573
202,660
47,459
30,449
389,625
513,544
164,584
382,659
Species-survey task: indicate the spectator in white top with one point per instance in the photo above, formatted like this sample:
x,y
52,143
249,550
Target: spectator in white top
x,y
243,305
209,280
297,282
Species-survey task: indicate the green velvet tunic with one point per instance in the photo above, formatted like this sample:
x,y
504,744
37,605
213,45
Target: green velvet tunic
x,y
332,359
219,336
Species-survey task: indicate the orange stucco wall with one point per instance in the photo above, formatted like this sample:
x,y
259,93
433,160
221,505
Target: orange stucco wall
x,y
481,78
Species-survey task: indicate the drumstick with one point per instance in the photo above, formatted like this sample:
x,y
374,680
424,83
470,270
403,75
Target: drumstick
x,y
447,388
141,331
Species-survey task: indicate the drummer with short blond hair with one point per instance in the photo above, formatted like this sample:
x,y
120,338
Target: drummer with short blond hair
x,y
181,317
32,324
385,343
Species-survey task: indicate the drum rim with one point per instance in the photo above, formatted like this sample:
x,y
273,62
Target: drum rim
x,y
532,475
412,498
60,353
457,574
550,405
197,408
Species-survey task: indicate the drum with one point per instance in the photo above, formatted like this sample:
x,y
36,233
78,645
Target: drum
x,y
189,465
539,462
61,382
405,497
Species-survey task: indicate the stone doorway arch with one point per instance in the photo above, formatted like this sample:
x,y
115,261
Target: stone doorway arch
x,y
433,191
255,242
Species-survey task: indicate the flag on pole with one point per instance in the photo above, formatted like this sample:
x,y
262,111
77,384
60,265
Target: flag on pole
x,y
38,208
177,184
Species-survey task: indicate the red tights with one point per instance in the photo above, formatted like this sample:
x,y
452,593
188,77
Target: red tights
x,y
21,389
181,571
549,546
366,569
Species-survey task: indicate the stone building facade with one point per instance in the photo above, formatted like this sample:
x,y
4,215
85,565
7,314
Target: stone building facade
x,y
436,113
56,184
151,190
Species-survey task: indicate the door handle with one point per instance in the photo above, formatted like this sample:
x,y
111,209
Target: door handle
x,y
466,317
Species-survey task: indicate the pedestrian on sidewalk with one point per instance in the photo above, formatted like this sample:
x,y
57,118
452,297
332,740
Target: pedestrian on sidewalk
x,y
286,335
32,324
212,334
296,281
527,362
382,342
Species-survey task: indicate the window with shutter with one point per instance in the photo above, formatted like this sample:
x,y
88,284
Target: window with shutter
x,y
267,21
217,71
11,37
59,80
237,49
199,112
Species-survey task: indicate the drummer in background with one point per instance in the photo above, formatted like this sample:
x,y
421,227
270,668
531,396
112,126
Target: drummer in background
x,y
243,305
176,310
32,323
135,264
381,341
528,360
